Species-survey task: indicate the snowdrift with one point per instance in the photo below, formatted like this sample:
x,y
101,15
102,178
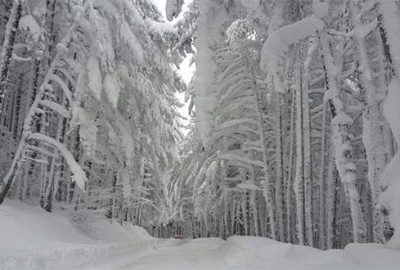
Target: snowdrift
x,y
261,253
34,239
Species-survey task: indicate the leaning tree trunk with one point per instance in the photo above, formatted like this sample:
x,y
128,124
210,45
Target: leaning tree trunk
x,y
262,106
341,142
372,134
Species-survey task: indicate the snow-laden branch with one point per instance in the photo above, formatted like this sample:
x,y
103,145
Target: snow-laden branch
x,y
241,160
236,122
279,41
63,86
78,175
55,107
21,59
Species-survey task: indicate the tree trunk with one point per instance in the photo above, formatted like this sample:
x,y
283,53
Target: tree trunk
x,y
8,48
299,177
341,141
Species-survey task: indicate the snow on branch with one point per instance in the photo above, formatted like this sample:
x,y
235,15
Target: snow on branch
x,y
21,59
63,86
236,122
279,41
55,107
78,175
241,160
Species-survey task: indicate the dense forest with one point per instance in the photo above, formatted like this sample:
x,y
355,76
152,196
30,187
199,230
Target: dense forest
x,y
293,110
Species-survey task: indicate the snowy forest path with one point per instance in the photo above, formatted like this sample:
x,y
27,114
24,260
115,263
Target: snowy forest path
x,y
178,254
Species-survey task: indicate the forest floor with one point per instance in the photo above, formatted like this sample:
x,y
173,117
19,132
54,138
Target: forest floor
x,y
31,238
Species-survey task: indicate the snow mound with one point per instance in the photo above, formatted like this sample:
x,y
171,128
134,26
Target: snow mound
x,y
24,228
372,256
256,253
32,238
241,252
262,253
103,230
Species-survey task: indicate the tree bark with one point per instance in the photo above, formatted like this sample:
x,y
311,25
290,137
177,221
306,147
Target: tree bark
x,y
8,48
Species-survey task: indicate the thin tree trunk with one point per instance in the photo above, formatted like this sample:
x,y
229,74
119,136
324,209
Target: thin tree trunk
x,y
308,210
299,177
323,184
289,187
279,191
8,48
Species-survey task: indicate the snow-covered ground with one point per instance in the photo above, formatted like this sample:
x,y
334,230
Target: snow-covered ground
x,y
31,238
251,253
